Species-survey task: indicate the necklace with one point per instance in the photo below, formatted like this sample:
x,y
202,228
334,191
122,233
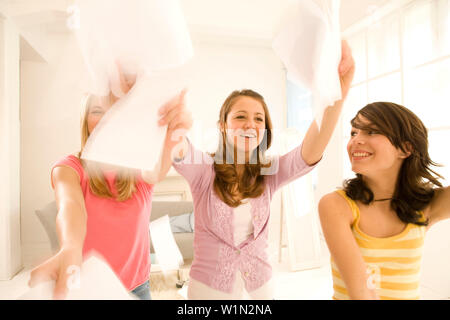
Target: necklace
x,y
383,199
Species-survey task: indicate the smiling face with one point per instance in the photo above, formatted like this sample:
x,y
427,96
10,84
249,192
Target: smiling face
x,y
370,152
245,124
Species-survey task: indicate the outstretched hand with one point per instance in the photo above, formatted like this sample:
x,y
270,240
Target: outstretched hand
x,y
346,69
175,115
59,268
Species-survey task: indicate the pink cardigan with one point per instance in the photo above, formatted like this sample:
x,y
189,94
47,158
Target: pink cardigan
x,y
216,258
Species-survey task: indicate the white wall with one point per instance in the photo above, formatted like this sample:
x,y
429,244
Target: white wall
x,y
10,250
50,111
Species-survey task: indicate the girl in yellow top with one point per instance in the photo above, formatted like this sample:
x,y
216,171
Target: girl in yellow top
x,y
375,226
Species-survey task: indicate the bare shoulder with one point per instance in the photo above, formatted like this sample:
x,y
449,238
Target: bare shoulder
x,y
333,206
65,174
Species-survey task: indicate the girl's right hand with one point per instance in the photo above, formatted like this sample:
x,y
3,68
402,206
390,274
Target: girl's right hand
x,y
64,267
177,117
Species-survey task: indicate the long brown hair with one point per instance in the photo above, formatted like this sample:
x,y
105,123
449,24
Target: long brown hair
x,y
125,181
414,187
227,185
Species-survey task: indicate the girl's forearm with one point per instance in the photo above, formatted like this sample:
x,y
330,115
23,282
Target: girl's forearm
x,y
316,140
71,225
166,157
172,148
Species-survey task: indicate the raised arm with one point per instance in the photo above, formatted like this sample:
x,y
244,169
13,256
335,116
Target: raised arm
x,y
178,120
173,114
336,219
71,229
439,208
316,139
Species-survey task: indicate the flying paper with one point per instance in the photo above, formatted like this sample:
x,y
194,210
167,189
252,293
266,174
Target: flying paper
x,y
167,253
142,36
147,39
95,281
128,135
308,43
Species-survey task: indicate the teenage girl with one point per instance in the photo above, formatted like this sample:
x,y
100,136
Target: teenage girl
x,y
233,187
375,226
106,209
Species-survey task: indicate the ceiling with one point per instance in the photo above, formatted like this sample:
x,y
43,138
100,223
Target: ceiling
x,y
251,21
257,17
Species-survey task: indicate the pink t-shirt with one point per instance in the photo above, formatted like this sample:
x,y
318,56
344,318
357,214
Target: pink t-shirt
x,y
118,231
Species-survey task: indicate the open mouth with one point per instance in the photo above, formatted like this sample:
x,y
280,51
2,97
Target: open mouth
x,y
361,155
248,135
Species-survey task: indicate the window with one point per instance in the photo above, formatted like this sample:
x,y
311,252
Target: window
x,y
299,117
405,58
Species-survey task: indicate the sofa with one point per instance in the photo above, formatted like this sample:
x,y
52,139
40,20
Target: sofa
x,y
184,240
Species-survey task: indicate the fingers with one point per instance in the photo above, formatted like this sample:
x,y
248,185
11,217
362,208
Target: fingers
x,y
38,275
170,115
182,95
122,81
175,106
347,61
121,84
182,120
60,291
346,68
170,105
64,266
43,272
175,102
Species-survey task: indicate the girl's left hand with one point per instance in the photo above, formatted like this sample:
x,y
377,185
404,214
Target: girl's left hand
x,y
178,120
176,116
346,69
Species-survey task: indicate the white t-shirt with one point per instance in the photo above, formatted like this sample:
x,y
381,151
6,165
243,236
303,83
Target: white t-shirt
x,y
243,228
242,222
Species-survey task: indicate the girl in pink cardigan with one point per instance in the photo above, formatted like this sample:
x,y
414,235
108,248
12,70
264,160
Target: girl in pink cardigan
x,y
233,187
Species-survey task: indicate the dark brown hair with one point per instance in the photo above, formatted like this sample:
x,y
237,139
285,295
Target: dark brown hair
x,y
414,187
227,185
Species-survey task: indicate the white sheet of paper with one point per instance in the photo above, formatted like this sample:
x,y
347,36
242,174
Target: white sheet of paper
x,y
97,282
167,253
142,36
308,43
128,135
147,38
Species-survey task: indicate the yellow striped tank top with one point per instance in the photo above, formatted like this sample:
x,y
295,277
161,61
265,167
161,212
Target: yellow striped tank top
x,y
393,263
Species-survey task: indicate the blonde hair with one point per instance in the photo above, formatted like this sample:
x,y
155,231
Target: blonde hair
x,y
125,181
